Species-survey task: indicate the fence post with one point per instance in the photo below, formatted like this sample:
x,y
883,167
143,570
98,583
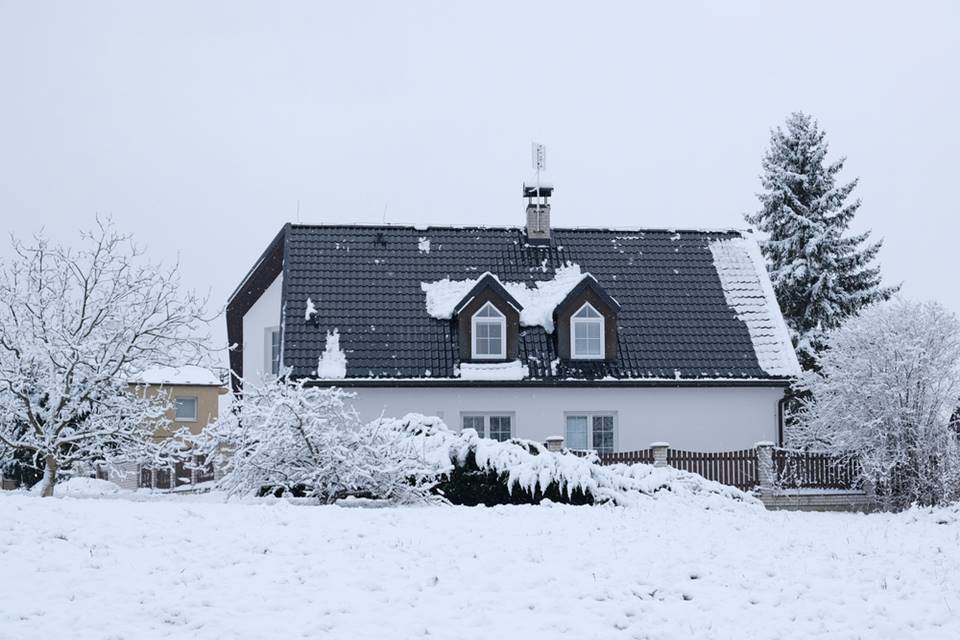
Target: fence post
x,y
765,471
554,443
659,453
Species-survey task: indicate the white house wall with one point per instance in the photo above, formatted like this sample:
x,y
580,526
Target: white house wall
x,y
693,418
264,314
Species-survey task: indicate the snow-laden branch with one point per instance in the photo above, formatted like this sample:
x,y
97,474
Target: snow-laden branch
x,y
75,324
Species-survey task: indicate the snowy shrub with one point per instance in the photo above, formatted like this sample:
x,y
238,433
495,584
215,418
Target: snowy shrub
x,y
74,324
288,438
473,470
886,391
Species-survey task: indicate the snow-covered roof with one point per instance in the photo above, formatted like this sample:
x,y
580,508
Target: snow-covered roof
x,y
679,318
182,375
747,289
537,302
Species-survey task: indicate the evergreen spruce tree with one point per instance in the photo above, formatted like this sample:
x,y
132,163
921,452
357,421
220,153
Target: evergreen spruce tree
x,y
821,276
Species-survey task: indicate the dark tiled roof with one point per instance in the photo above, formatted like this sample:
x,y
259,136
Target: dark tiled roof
x,y
365,281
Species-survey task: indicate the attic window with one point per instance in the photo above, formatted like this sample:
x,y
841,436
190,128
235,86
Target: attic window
x,y
489,334
586,334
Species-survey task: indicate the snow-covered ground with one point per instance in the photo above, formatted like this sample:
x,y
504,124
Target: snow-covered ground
x,y
133,566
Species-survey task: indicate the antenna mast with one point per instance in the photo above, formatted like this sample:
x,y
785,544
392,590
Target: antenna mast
x,y
538,153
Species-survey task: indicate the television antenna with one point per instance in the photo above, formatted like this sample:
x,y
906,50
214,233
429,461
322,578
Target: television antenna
x,y
538,154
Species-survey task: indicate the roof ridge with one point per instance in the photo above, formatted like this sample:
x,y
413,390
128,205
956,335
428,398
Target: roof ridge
x,y
421,228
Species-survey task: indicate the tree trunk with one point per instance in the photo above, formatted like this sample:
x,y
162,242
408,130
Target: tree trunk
x,y
49,477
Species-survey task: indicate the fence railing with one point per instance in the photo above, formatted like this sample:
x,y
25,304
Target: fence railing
x,y
765,467
628,457
737,468
806,469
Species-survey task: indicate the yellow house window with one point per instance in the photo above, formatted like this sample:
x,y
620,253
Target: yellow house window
x,y
186,409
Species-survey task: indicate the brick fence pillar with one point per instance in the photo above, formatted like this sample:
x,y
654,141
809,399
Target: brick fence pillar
x,y
765,471
554,443
660,453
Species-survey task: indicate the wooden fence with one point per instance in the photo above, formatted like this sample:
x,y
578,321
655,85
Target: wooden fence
x,y
628,457
741,469
737,468
807,470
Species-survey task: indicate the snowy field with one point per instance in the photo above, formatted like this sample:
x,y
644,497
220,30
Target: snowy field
x,y
194,567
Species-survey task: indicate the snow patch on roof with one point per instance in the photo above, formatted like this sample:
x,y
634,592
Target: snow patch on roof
x,y
513,370
333,362
310,312
538,303
423,245
748,291
185,375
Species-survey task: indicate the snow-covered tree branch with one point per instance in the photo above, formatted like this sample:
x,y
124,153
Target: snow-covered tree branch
x,y
288,437
74,325
886,391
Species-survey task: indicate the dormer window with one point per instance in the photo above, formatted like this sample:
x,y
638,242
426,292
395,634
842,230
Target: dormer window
x,y
587,334
489,330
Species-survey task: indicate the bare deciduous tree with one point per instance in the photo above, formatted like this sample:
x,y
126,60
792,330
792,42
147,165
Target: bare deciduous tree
x,y
74,326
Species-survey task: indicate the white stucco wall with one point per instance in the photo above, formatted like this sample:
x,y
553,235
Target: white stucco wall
x,y
692,418
264,313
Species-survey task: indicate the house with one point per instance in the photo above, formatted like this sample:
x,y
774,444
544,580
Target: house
x,y
194,394
612,338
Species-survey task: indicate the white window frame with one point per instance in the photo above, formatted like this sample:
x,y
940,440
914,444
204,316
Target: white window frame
x,y
268,351
501,320
486,415
196,408
574,321
590,415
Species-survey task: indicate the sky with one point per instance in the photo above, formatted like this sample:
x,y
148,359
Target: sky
x,y
203,127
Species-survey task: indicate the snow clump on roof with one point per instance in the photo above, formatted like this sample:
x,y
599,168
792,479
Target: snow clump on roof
x,y
333,362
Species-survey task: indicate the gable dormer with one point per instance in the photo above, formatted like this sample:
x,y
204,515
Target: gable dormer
x,y
586,323
488,322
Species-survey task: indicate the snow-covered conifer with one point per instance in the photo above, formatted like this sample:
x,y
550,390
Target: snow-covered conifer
x,y
285,436
886,390
821,275
74,325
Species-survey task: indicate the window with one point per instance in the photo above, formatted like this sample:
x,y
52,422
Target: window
x,y
495,426
586,334
500,428
489,333
474,422
185,409
591,431
275,351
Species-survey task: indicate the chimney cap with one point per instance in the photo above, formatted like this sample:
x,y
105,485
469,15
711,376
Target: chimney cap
x,y
530,190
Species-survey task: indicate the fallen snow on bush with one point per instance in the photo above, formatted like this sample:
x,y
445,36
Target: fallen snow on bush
x,y
183,567
529,466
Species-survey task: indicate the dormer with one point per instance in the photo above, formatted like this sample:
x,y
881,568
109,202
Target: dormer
x,y
488,322
586,323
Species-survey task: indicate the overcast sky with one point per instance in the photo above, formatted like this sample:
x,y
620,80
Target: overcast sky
x,y
201,127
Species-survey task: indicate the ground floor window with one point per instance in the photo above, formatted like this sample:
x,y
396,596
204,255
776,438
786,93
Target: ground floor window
x,y
591,431
494,426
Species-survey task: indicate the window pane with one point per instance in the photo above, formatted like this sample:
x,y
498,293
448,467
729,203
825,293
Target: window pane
x,y
500,428
489,311
576,432
603,434
489,338
587,338
474,422
186,408
586,312
275,352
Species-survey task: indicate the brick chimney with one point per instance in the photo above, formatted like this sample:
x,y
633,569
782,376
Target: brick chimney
x,y
538,212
